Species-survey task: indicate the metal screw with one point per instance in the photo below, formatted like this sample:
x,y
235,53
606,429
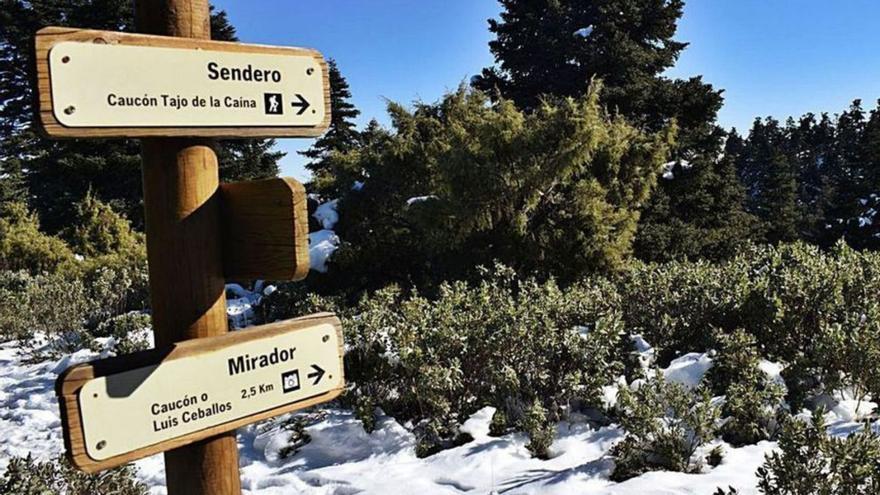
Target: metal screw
x,y
326,338
65,59
310,71
69,110
101,444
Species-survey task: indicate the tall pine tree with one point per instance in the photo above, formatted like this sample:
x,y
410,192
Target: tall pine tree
x,y
700,211
54,175
556,47
769,174
330,175
853,180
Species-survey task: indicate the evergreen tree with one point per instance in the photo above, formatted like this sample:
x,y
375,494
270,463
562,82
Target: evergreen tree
x,y
778,204
57,174
698,211
811,149
330,177
767,167
248,159
463,183
556,47
853,192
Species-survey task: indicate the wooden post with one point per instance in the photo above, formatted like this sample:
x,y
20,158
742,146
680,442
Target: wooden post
x,y
187,288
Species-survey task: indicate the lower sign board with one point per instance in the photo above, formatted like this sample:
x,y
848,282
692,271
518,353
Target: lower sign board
x,y
120,409
105,84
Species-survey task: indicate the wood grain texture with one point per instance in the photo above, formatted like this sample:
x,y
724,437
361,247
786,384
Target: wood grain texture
x,y
265,230
181,207
48,37
70,382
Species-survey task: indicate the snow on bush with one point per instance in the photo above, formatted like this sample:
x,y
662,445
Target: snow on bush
x,y
323,243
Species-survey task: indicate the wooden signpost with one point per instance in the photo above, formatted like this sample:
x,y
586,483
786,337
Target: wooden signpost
x,y
266,230
124,408
176,89
108,84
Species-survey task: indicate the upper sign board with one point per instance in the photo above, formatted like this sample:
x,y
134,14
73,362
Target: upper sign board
x,y
107,84
124,408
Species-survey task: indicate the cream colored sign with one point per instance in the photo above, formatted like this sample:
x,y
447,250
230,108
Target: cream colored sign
x,y
114,85
134,409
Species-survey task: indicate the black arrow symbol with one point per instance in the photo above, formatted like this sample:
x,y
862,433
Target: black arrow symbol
x,y
302,104
317,375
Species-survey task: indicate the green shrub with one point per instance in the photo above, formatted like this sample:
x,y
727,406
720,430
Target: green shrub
x,y
541,432
293,299
665,424
815,311
97,230
25,476
674,305
849,351
66,308
752,401
52,305
809,462
501,343
566,182
127,331
24,247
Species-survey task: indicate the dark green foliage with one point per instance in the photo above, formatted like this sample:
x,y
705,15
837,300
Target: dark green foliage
x,y
57,174
697,212
98,230
512,345
813,178
752,402
540,430
331,177
293,299
770,179
128,332
248,159
715,456
464,182
811,462
665,424
559,47
499,424
25,476
541,48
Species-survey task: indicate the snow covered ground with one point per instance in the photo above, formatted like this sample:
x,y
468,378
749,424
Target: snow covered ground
x,y
343,459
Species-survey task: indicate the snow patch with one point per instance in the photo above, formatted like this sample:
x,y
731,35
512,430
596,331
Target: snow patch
x,y
419,199
689,369
584,32
322,244
326,214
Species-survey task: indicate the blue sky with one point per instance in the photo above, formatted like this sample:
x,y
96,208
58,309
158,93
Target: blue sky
x,y
772,57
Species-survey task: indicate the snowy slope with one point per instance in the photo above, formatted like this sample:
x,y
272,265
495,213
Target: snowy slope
x,y
342,459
